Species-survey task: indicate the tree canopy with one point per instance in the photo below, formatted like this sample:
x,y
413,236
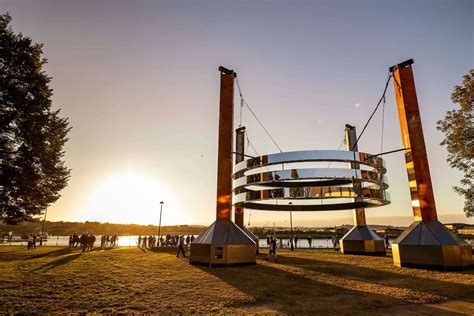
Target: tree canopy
x,y
32,134
458,129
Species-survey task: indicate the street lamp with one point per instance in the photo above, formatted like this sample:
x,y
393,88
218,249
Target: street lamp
x,y
42,230
291,227
159,225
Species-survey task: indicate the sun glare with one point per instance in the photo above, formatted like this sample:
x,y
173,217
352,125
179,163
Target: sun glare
x,y
130,198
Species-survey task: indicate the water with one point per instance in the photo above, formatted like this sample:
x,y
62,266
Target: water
x,y
131,241
124,241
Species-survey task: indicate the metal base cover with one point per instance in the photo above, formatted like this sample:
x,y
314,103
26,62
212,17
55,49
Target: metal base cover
x,y
223,244
361,240
429,244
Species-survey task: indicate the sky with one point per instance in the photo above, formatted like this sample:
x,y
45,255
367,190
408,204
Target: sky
x,y
139,83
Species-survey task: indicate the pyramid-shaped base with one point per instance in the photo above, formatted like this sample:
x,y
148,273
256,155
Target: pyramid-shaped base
x,y
361,240
223,244
429,244
253,237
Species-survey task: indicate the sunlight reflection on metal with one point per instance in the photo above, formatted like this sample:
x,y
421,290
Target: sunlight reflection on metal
x,y
257,186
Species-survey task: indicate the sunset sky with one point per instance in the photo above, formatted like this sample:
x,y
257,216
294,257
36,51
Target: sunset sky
x,y
139,83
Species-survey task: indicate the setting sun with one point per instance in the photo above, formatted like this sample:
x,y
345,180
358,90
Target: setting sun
x,y
130,198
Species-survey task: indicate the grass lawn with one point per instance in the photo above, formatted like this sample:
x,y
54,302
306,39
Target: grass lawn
x,y
126,280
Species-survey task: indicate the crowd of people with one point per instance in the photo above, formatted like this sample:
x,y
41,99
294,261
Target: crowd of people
x,y
87,241
293,240
164,241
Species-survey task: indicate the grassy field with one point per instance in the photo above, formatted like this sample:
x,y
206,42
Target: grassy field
x,y
126,280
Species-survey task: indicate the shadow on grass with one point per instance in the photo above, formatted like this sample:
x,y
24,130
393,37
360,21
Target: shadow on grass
x,y
168,250
283,291
385,278
101,249
53,253
58,262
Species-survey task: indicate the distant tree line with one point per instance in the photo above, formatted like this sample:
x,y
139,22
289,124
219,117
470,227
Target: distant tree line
x,y
97,228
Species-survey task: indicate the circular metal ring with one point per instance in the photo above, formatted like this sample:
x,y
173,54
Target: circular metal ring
x,y
310,156
292,188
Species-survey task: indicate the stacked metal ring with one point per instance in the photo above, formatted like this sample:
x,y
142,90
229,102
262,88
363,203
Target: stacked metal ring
x,y
289,181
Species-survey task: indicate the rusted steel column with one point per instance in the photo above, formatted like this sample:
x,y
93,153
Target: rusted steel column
x,y
351,139
224,158
239,156
422,197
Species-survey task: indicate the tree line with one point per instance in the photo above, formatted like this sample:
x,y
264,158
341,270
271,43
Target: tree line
x,y
97,228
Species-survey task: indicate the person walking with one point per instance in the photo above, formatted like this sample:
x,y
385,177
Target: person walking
x,y
181,247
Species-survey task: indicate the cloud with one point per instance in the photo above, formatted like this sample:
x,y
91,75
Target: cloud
x,y
357,105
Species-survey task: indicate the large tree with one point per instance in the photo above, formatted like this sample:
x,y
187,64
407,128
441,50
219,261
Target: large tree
x,y
32,134
458,129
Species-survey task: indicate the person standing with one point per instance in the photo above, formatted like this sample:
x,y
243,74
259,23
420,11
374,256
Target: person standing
x,y
34,241
310,242
181,247
83,241
272,252
30,242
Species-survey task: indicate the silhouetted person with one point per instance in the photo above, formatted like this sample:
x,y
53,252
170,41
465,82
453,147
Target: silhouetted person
x,y
310,242
181,247
335,242
34,241
83,241
272,245
30,242
387,243
90,242
75,240
139,241
296,241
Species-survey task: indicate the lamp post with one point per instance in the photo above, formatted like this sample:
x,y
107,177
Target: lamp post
x,y
159,225
42,230
291,228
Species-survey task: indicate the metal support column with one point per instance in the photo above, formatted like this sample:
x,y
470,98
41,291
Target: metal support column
x,y
224,243
426,242
360,239
239,156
